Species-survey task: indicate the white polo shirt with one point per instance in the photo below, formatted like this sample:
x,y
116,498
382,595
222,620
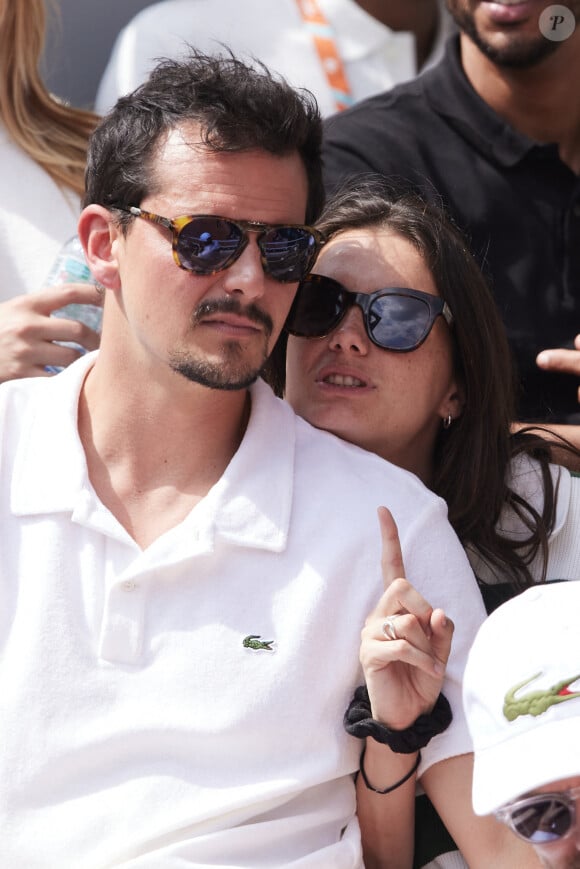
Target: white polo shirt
x,y
182,705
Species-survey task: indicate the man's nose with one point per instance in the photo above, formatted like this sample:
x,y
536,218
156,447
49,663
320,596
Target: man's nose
x,y
246,275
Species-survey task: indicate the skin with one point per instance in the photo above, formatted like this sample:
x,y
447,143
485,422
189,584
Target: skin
x,y
157,449
419,17
28,332
375,413
402,675
507,32
393,404
566,853
563,360
525,78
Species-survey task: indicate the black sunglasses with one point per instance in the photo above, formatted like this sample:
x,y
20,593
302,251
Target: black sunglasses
x,y
206,244
395,318
542,818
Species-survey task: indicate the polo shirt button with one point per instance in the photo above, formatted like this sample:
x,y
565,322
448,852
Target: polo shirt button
x,y
129,585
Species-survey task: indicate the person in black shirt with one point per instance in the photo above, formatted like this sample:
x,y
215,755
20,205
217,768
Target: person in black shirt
x,y
493,134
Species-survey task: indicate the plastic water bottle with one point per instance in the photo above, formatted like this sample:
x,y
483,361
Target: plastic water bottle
x,y
71,267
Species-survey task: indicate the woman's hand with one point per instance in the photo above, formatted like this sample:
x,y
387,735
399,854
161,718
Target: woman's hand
x,y
403,675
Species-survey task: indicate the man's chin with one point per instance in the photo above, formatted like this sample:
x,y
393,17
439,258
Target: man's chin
x,y
229,370
515,52
222,376
509,47
227,382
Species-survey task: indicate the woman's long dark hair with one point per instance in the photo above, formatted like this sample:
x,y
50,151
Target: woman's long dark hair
x,y
471,458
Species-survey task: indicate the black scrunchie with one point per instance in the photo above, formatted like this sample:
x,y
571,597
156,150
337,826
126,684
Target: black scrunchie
x,y
358,722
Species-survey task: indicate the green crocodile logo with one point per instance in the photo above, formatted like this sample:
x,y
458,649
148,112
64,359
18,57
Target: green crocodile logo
x,y
537,702
253,641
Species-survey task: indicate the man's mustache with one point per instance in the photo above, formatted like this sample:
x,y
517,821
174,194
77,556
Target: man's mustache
x,y
230,305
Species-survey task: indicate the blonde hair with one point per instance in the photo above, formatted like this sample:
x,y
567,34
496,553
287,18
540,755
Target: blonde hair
x,y
52,133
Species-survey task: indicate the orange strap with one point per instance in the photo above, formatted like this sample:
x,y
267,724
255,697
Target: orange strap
x,y
323,36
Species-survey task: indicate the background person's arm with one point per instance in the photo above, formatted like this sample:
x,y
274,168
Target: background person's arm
x,y
563,441
483,841
564,361
28,332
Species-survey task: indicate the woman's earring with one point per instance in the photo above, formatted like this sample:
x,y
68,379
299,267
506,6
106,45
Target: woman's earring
x,y
447,421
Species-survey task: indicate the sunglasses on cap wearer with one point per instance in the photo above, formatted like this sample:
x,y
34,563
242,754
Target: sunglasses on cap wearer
x,y
205,243
543,818
395,318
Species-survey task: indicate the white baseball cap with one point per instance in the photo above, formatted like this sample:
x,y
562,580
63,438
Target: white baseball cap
x,y
521,693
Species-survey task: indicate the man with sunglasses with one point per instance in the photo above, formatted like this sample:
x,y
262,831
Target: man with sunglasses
x,y
522,701
186,565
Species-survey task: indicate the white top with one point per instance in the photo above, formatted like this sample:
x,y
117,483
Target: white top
x,y
36,218
564,541
375,58
136,728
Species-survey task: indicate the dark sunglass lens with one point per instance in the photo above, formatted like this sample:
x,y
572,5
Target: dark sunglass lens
x,y
543,821
206,244
398,322
317,308
288,251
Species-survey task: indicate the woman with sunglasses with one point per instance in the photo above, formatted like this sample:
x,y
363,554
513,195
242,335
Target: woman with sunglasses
x,y
396,345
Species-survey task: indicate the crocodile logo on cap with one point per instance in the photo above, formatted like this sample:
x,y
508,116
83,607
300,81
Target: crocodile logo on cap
x,y
537,702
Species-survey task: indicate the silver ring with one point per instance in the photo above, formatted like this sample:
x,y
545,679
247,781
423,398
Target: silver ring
x,y
388,628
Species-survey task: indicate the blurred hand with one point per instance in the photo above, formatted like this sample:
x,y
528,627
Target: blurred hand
x,y
27,331
403,675
562,360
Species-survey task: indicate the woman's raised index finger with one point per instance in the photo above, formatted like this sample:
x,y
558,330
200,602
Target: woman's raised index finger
x,y
391,557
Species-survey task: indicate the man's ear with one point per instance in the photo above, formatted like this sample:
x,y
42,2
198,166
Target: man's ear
x,y
98,234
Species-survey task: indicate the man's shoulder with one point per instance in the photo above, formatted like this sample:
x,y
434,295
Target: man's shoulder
x,y
32,401
414,134
333,463
19,393
327,458
405,104
164,10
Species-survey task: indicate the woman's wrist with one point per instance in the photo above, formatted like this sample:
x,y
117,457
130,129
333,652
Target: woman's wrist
x,y
383,770
358,721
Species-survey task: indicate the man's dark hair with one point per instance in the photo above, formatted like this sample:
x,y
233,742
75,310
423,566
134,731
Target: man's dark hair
x,y
239,107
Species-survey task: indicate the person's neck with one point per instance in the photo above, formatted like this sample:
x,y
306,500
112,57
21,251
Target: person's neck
x,y
152,452
422,20
540,101
416,458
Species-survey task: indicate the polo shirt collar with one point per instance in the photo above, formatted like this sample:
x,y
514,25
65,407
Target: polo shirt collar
x,y
250,505
451,96
50,467
253,499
